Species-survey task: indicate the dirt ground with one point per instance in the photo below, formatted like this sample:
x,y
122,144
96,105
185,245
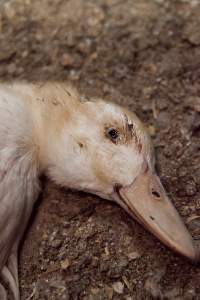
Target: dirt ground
x,y
144,54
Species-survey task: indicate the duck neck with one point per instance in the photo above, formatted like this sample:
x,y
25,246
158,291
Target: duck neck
x,y
49,120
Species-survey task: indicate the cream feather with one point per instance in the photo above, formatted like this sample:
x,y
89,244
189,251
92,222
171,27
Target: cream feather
x,y
92,146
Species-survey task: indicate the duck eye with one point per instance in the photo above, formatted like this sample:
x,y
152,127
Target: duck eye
x,y
113,134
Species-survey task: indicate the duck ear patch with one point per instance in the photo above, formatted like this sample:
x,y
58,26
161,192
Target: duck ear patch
x,y
81,144
131,133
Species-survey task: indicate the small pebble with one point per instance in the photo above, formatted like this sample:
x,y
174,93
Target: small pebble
x,y
173,294
161,104
94,291
109,292
118,287
67,60
133,255
194,103
65,264
190,189
56,244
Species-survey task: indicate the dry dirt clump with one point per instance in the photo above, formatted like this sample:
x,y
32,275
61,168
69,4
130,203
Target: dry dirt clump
x,y
145,55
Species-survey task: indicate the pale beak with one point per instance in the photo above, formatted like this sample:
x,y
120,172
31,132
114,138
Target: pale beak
x,y
146,200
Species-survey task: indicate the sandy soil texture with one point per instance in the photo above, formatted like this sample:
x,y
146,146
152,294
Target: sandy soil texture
x,y
144,54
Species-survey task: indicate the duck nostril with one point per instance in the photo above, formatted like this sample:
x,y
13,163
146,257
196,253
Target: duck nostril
x,y
155,194
116,188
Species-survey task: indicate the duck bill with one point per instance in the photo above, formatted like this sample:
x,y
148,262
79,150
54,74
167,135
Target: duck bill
x,y
146,200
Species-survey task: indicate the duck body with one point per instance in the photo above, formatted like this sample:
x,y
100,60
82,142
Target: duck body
x,y
19,184
92,146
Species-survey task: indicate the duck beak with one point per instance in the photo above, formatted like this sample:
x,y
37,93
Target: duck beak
x,y
146,200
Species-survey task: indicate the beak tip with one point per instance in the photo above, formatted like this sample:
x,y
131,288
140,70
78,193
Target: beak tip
x,y
192,254
156,212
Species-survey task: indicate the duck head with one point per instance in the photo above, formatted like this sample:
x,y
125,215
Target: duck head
x,y
105,150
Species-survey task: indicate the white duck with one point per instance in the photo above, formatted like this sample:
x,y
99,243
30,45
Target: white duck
x,y
92,146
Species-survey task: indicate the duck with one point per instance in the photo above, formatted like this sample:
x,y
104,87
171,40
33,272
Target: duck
x,y
82,144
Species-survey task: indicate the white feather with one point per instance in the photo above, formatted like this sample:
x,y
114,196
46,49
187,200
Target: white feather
x,y
18,182
45,128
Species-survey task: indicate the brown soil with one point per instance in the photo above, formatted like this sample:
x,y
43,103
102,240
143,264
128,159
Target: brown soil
x,y
144,54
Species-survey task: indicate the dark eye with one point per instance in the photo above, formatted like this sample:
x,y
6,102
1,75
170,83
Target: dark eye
x,y
113,134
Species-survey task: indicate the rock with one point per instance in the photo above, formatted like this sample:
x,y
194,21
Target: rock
x,y
192,33
190,188
56,244
53,267
147,107
117,268
118,287
173,294
161,104
175,149
74,75
104,266
152,283
95,291
182,171
54,288
65,264
39,36
171,64
189,292
12,68
67,60
163,120
122,263
70,39
9,10
6,54
153,288
109,292
107,253
126,281
133,255
84,47
121,71
53,235
194,223
187,187
152,68
194,103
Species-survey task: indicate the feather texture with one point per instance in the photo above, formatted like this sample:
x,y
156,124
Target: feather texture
x,y
46,128
18,184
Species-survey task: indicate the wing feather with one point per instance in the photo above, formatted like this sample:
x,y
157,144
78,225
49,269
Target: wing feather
x,y
19,185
